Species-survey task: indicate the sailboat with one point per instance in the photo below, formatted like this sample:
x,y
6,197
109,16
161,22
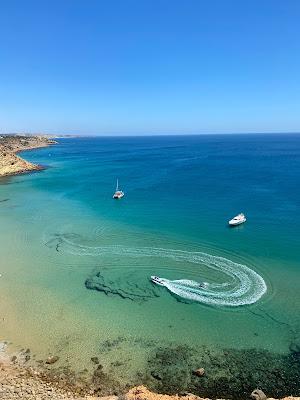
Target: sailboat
x,y
118,193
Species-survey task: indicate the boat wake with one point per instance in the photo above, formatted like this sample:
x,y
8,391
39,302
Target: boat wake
x,y
228,283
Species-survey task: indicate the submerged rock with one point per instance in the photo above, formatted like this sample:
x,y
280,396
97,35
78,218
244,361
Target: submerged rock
x,y
52,359
58,240
295,346
258,394
230,373
110,344
171,368
199,372
156,375
103,383
123,286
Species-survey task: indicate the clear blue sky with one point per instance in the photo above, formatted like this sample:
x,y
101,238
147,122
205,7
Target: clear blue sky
x,y
149,66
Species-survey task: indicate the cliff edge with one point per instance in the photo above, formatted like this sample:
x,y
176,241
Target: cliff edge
x,y
10,163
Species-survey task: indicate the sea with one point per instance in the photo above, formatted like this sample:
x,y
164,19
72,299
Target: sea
x,y
75,264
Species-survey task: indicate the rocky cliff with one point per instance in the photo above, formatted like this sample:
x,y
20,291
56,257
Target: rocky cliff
x,y
10,163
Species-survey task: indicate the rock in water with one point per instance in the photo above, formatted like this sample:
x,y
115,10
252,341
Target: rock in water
x,y
52,359
199,372
156,375
258,394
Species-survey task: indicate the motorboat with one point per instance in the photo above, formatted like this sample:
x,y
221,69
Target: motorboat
x,y
237,220
118,193
157,280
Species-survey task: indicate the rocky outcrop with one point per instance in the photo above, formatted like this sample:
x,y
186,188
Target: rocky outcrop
x,y
10,163
17,382
258,394
20,383
142,393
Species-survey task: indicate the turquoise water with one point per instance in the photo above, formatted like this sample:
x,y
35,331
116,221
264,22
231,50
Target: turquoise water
x,y
75,264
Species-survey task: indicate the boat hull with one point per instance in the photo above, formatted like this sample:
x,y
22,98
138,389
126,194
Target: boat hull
x,y
157,280
236,223
118,195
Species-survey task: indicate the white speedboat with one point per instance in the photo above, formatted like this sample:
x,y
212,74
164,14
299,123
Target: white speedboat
x,y
238,220
157,280
118,193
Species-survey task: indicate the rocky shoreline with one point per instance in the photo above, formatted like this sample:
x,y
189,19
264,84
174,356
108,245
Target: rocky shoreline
x,y
19,382
10,145
23,376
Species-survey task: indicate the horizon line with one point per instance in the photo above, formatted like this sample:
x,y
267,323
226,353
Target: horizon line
x,y
149,134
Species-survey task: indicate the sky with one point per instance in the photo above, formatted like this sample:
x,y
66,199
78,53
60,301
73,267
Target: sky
x,y
149,67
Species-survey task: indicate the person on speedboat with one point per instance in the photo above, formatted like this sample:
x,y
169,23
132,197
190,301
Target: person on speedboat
x,y
203,285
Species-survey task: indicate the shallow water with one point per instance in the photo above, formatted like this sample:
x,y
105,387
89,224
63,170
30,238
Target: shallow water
x,y
75,264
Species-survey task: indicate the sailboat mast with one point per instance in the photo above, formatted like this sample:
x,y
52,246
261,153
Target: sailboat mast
x,y
117,188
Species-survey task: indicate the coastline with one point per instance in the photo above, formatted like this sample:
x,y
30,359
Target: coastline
x,y
162,369
24,375
10,145
17,381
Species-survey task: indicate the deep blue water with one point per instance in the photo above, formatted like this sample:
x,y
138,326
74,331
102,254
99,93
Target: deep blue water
x,y
188,185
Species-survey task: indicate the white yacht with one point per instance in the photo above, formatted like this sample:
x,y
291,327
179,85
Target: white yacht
x,y
239,219
118,193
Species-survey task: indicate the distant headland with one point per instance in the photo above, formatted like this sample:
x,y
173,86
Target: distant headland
x,y
10,145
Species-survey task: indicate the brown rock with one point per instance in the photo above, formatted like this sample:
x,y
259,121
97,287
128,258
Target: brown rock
x,y
27,357
52,359
258,394
199,372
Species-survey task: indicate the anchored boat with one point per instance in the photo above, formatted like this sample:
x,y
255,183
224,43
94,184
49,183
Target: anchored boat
x,y
237,220
118,193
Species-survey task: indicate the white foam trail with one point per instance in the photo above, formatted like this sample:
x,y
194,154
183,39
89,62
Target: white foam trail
x,y
243,285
